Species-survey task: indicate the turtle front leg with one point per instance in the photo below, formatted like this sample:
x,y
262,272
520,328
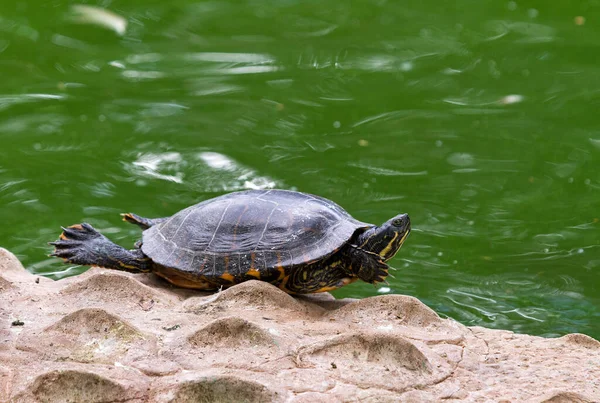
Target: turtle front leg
x,y
368,266
82,244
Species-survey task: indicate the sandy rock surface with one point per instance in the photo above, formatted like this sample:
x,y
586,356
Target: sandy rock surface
x,y
108,336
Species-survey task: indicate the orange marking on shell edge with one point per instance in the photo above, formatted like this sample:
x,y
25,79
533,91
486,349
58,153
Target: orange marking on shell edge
x,y
253,272
63,236
76,226
280,268
227,277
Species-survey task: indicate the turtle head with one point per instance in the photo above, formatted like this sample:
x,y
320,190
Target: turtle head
x,y
387,239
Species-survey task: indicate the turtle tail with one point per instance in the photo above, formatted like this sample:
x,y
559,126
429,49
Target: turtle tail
x,y
82,244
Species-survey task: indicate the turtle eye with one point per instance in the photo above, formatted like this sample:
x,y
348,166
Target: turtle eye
x,y
401,221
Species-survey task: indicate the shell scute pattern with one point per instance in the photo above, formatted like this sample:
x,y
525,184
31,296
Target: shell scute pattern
x,y
253,230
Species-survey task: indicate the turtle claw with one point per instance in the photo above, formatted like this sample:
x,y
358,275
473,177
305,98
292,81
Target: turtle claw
x,y
73,243
78,232
372,271
81,244
381,272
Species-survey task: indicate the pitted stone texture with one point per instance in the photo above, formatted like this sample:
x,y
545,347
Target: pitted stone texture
x,y
400,314
563,397
226,389
72,383
384,361
89,335
112,336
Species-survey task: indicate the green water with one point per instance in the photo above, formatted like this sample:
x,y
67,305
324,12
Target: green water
x,y
479,119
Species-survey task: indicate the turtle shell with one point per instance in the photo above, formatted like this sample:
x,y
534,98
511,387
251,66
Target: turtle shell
x,y
251,230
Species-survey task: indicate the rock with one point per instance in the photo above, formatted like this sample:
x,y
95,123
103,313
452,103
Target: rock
x,y
9,263
10,271
114,336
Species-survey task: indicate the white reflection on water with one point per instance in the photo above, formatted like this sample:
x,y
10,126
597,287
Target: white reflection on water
x,y
102,189
473,101
9,184
461,159
464,170
382,116
144,58
217,161
203,68
207,171
207,86
151,164
233,63
162,109
228,175
84,14
247,70
310,28
595,142
142,75
10,100
529,32
250,58
116,64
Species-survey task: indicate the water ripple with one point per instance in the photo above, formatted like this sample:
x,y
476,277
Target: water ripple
x,y
386,171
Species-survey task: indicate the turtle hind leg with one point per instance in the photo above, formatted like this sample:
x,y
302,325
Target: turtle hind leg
x,y
82,244
143,223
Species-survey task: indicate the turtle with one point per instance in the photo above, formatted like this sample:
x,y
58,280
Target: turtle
x,y
299,242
